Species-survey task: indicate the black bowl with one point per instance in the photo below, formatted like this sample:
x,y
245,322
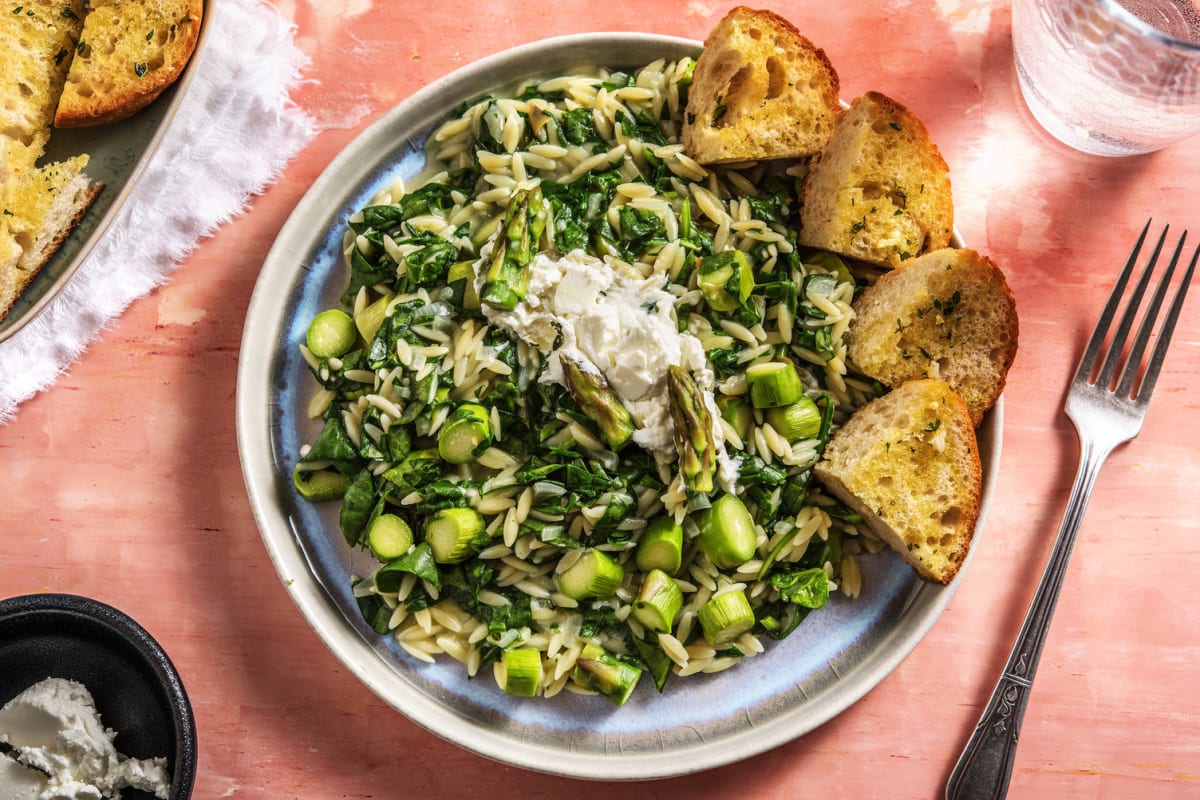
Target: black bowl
x,y
136,688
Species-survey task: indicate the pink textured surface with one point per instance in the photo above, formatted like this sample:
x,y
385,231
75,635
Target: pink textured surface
x,y
122,481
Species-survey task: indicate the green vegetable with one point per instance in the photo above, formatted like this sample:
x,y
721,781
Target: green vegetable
x,y
799,420
330,334
659,602
389,537
455,533
466,434
507,276
319,485
661,546
418,468
808,588
726,617
693,431
522,672
657,662
727,534
461,280
738,412
726,280
774,383
417,561
590,574
601,671
598,402
370,318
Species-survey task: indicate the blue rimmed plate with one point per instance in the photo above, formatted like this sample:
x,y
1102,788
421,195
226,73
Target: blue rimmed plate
x,y
836,656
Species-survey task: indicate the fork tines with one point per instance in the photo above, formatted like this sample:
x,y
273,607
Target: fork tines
x,y
1135,382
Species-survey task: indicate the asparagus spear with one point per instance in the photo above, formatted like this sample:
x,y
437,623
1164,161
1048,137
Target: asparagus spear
x,y
693,431
507,276
598,401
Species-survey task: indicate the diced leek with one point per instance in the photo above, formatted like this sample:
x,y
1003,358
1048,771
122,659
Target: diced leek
x,y
455,533
320,484
370,318
389,537
798,420
726,280
522,672
774,383
661,546
466,434
330,334
727,534
659,602
601,671
589,573
726,617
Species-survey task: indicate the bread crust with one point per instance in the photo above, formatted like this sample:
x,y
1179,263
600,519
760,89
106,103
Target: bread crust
x,y
908,462
879,191
760,90
111,83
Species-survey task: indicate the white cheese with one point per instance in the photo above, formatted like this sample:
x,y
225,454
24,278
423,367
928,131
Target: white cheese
x,y
622,324
54,727
19,782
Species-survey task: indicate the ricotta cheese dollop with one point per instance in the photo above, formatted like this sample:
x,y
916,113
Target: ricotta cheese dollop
x,y
625,326
64,751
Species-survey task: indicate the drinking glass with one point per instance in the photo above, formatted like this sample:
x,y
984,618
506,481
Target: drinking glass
x,y
1107,77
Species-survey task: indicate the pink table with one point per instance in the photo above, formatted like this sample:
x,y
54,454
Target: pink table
x,y
122,481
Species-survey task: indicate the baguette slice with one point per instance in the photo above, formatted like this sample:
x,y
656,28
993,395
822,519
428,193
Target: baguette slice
x,y
879,191
37,43
908,462
130,51
39,211
948,314
760,90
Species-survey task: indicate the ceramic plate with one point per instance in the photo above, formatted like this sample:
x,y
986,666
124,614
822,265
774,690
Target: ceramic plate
x,y
119,153
833,659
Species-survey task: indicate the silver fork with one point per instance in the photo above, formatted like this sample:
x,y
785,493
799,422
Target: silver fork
x,y
1107,403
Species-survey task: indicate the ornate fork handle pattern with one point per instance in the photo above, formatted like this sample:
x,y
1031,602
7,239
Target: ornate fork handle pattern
x,y
985,767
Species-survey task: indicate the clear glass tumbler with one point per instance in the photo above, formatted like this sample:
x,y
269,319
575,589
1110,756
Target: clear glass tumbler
x,y
1107,77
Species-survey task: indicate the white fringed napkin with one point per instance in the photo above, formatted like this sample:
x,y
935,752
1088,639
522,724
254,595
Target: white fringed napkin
x,y
233,133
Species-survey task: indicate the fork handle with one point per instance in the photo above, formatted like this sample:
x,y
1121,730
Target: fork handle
x,y
985,767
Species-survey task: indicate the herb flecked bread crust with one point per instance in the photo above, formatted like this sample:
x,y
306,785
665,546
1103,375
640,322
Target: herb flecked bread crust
x,y
879,191
129,52
948,314
760,91
908,462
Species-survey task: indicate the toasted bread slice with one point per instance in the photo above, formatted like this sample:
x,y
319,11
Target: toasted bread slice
x,y
908,462
39,39
130,51
879,191
948,314
39,211
760,90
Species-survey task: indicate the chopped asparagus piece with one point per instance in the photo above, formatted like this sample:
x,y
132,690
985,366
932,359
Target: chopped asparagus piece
x,y
598,401
600,670
455,533
659,602
507,276
738,412
461,280
330,334
726,617
589,573
466,434
799,420
693,431
727,533
661,546
522,672
389,537
774,383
